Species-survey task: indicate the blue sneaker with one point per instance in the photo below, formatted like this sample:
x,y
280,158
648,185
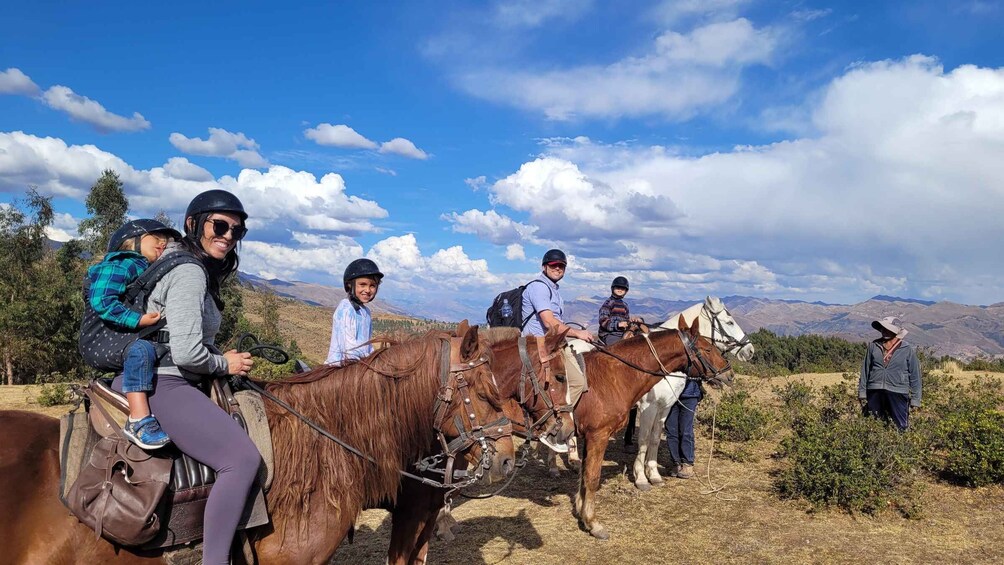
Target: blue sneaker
x,y
146,433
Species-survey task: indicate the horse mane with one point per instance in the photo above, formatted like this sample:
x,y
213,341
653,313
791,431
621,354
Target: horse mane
x,y
498,334
381,405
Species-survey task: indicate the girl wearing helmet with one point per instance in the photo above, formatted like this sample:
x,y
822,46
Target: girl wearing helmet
x,y
188,299
614,314
352,323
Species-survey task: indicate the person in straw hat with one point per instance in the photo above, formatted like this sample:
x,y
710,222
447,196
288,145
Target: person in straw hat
x,y
890,375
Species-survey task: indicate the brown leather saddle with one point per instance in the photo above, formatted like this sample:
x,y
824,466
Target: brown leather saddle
x,y
191,482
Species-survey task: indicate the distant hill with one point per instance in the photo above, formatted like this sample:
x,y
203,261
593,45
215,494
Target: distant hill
x,y
959,330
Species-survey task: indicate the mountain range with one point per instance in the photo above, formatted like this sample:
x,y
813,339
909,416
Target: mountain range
x,y
943,328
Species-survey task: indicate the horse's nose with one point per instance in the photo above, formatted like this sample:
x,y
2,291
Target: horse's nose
x,y
507,466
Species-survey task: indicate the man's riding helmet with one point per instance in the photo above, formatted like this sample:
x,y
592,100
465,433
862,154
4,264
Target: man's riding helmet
x,y
137,229
620,282
554,256
216,200
360,268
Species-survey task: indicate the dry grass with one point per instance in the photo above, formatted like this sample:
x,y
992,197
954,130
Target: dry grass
x,y
23,397
745,523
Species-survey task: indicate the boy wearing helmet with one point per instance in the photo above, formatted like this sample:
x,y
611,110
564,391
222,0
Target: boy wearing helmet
x,y
352,324
131,250
614,314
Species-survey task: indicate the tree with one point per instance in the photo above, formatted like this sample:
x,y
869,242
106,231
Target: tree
x,y
162,217
23,245
107,205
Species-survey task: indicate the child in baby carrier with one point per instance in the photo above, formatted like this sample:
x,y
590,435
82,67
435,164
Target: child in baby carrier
x,y
131,250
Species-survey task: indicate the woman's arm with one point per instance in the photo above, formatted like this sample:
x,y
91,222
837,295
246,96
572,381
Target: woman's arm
x,y
343,333
183,304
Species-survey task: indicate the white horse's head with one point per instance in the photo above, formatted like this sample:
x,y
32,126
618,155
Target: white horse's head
x,y
718,325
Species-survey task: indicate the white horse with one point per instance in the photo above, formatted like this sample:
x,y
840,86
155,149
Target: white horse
x,y
716,324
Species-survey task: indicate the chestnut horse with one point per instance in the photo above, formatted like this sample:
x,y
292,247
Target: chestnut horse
x,y
618,377
383,406
537,395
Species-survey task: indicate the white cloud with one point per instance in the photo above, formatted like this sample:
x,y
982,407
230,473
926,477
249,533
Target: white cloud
x,y
683,74
534,13
477,183
515,252
904,164
13,81
403,147
84,109
399,257
338,136
386,171
490,226
672,12
222,143
275,198
181,168
327,256
63,227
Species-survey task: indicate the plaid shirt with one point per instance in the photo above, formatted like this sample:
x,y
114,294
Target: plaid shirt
x,y
109,280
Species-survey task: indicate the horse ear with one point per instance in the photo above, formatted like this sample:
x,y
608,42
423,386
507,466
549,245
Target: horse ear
x,y
681,324
462,328
469,346
555,338
695,328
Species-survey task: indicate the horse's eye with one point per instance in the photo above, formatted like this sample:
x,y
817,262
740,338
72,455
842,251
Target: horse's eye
x,y
559,377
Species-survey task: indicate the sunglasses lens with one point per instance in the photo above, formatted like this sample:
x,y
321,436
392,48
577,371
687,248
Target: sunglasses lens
x,y
221,227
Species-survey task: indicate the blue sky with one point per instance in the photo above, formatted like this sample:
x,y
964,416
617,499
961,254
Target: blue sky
x,y
806,150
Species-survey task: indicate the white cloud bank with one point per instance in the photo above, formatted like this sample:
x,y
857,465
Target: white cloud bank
x,y
903,172
680,75
222,143
13,81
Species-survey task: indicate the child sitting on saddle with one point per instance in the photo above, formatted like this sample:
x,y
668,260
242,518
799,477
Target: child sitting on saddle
x,y
352,323
131,250
614,314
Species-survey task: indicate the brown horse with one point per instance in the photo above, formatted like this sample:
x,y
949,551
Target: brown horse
x,y
539,396
382,406
617,382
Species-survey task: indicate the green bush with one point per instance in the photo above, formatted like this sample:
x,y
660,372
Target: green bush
x,y
857,464
809,353
54,394
974,447
738,418
980,364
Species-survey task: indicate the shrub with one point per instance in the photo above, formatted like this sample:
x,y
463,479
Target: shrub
x,y
738,419
54,394
980,364
858,464
974,445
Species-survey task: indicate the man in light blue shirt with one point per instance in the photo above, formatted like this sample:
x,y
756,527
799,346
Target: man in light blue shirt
x,y
542,310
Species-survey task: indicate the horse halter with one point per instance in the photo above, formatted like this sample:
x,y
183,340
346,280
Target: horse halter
x,y
706,367
452,381
528,374
731,344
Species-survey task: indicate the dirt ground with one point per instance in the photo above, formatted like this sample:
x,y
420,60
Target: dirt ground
x,y
684,521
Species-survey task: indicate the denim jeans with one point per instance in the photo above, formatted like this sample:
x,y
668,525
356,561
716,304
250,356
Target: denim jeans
x,y
888,406
137,368
680,430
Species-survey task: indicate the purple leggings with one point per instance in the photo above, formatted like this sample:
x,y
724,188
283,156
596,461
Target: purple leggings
x,y
204,431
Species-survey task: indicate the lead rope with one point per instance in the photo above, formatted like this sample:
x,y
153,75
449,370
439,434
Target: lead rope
x,y
710,487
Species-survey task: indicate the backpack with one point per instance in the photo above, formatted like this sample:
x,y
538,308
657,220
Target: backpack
x,y
102,344
507,308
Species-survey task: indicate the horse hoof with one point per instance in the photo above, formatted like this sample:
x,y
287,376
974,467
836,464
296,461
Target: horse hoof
x,y
656,482
644,487
600,533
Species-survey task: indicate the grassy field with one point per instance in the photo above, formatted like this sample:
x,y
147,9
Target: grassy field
x,y
728,514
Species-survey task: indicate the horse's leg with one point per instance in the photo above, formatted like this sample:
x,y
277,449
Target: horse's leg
x,y
660,411
646,409
596,447
550,459
413,517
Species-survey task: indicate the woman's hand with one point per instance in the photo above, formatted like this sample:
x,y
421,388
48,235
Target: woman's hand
x,y
238,363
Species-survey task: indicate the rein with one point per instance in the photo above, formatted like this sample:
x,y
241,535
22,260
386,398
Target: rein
x,y
477,433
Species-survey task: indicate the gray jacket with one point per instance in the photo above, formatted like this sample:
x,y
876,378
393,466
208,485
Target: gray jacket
x,y
901,375
182,298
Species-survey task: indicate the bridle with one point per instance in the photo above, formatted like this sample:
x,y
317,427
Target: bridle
x,y
452,383
690,349
451,380
729,344
527,376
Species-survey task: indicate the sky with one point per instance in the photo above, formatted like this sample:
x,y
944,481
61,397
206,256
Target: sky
x,y
785,149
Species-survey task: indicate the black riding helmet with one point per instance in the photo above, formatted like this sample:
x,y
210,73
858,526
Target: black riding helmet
x,y
553,256
216,200
620,282
137,229
359,268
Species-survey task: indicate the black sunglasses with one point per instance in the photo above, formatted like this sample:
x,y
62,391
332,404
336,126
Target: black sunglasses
x,y
221,227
